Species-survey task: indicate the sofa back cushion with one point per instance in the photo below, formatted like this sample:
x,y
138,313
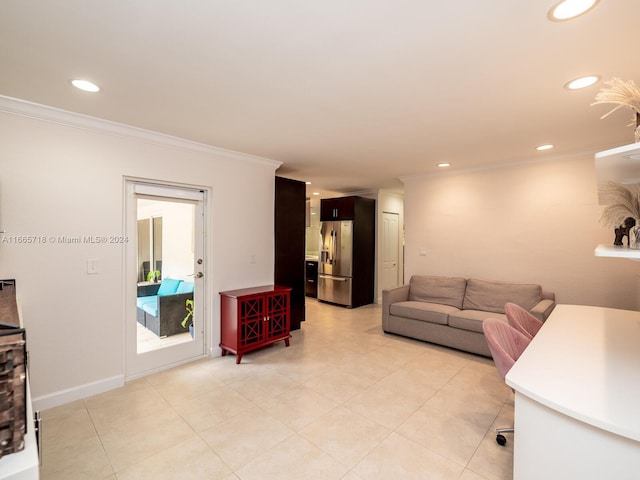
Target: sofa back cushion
x,y
168,286
185,287
491,296
433,289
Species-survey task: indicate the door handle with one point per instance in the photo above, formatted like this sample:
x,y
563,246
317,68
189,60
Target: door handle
x,y
197,275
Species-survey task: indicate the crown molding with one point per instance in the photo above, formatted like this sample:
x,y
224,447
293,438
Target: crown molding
x,y
45,113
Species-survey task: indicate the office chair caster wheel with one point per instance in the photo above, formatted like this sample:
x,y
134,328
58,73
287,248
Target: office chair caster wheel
x,y
501,439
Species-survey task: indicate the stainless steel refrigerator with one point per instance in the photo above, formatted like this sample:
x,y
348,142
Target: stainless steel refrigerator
x,y
335,268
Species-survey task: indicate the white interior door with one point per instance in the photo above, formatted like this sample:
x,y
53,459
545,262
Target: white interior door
x,y
390,244
165,277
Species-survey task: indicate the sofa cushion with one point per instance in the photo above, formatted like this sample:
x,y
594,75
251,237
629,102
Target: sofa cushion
x,y
185,287
424,311
151,308
169,286
491,296
141,301
441,290
472,319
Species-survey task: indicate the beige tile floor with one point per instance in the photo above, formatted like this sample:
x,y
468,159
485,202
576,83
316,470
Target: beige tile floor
x,y
344,401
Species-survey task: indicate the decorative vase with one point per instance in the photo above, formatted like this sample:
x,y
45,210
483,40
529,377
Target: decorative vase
x,y
634,236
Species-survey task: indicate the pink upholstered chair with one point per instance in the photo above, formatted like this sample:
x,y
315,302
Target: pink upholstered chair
x,y
522,320
506,345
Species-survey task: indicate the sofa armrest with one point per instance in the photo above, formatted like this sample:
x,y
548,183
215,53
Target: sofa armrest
x,y
148,289
543,309
170,310
174,305
392,295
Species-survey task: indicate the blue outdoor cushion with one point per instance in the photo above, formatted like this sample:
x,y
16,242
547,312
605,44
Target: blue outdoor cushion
x,y
169,286
151,308
142,301
185,287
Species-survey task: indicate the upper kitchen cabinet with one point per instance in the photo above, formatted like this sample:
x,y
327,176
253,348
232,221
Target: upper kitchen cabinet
x,y
342,208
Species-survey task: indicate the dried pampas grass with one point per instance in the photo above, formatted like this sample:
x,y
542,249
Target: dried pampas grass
x,y
623,201
624,94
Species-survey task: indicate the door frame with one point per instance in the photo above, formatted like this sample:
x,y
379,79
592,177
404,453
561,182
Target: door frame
x,y
143,368
383,248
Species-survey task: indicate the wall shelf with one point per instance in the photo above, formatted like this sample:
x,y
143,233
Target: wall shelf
x,y
621,164
621,251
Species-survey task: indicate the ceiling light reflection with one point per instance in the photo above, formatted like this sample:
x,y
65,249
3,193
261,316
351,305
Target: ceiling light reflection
x,y
568,9
85,85
582,82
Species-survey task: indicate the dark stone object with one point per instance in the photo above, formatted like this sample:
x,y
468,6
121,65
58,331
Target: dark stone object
x,y
623,230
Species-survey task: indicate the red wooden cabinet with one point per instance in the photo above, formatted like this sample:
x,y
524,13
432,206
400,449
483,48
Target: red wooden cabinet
x,y
252,318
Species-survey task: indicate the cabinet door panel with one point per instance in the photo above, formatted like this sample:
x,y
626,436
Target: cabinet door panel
x,y
277,325
327,209
277,314
252,320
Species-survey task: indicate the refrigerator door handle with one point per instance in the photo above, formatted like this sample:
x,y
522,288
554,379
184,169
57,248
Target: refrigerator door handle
x,y
336,279
334,253
332,247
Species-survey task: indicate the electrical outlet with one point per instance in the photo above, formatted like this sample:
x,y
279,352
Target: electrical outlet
x,y
423,252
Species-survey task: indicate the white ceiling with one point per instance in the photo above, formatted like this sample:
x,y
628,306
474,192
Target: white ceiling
x,y
349,94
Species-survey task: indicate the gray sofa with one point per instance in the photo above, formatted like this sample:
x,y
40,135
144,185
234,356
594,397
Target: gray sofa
x,y
162,308
449,310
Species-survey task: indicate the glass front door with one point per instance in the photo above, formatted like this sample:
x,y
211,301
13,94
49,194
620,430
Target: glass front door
x,y
165,276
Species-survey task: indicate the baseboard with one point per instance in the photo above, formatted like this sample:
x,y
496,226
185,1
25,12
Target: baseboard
x,y
76,393
169,366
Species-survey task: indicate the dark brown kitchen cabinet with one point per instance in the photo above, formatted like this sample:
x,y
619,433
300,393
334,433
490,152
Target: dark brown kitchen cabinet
x,y
311,278
342,208
290,231
251,318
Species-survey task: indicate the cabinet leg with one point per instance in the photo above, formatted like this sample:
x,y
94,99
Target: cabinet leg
x,y
286,342
224,352
238,358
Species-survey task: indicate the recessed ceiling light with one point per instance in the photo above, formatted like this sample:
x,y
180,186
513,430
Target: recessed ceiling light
x,y
444,164
544,147
85,85
582,82
568,9
307,183
316,193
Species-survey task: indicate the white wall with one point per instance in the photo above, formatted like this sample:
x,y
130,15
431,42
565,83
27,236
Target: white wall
x,y
177,236
535,222
312,232
58,180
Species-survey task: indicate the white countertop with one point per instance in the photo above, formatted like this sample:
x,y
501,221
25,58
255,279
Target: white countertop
x,y
585,363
